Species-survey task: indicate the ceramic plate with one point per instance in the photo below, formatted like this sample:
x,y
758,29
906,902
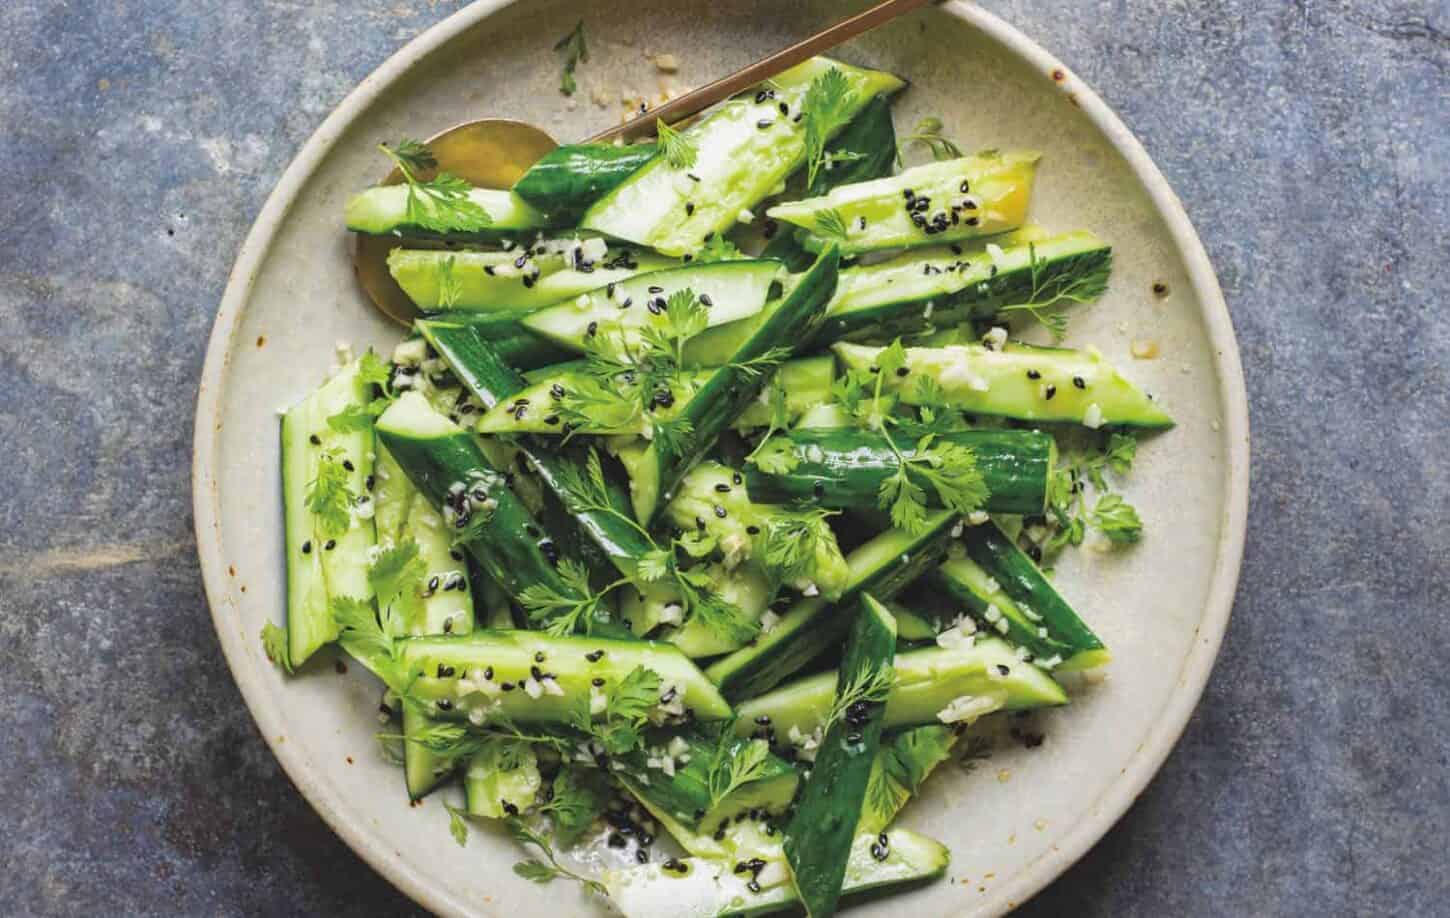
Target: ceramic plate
x,y
1013,823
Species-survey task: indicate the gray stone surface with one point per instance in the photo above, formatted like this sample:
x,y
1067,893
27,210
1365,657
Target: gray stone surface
x,y
1308,141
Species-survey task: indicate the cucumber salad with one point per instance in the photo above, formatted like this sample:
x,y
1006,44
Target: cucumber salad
x,y
714,495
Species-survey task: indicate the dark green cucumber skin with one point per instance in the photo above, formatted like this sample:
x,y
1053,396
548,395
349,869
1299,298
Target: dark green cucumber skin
x,y
1023,581
882,324
570,178
819,836
488,376
762,665
510,339
724,395
870,134
1015,465
504,549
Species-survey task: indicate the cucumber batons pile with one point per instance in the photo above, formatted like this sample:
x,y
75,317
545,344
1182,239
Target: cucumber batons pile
x,y
643,531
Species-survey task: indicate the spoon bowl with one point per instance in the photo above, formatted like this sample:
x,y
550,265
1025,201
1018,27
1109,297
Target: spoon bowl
x,y
487,153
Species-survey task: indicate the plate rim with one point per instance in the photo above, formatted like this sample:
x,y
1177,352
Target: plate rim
x,y
1163,733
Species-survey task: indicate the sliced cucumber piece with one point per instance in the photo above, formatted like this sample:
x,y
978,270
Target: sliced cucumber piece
x,y
405,515
571,177
660,606
686,794
504,332
939,202
964,682
423,770
522,279
745,148
1004,590
846,468
327,554
734,386
902,765
706,888
712,499
383,210
612,316
819,835
458,675
445,464
882,565
1020,381
503,779
941,286
535,409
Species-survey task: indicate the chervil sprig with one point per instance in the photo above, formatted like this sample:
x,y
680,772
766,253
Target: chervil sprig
x,y
549,870
1083,282
441,204
825,109
734,764
329,496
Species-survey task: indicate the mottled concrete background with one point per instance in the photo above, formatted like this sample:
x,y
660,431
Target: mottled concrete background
x,y
1309,141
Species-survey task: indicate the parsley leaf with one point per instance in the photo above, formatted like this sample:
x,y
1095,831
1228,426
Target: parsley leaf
x,y
1117,519
575,50
274,642
562,612
825,109
396,576
361,633
457,825
329,496
357,418
718,248
678,149
625,713
578,797
441,204
734,764
373,369
790,540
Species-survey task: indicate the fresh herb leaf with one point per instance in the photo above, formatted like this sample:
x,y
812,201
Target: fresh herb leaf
x,y
562,611
673,437
329,496
540,872
579,796
1116,519
457,825
825,109
775,457
575,50
791,540
705,604
414,155
867,685
734,764
906,500
441,204
1083,282
830,224
654,565
361,632
634,696
450,288
374,370
951,469
396,577
357,418
761,364
274,643
678,149
1121,450
718,248
928,133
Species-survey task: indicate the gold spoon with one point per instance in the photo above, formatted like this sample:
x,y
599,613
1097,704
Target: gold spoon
x,y
496,152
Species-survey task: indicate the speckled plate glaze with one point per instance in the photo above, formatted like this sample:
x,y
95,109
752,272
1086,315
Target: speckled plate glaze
x,y
1014,823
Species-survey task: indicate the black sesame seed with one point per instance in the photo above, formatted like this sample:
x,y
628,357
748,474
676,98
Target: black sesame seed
x,y
752,530
1033,374
764,123
448,625
722,487
315,440
616,840
720,511
488,269
706,301
965,187
753,886
1049,392
594,656
592,329
509,808
1079,382
488,673
763,720
506,686
1003,669
444,704
329,545
597,681
642,855
971,221
529,280
628,302
432,584
539,657
902,371
307,547
689,208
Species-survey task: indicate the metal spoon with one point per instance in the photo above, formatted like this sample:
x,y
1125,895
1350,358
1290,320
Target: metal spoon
x,y
495,152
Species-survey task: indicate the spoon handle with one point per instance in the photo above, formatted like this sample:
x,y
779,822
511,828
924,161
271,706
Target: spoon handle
x,y
702,98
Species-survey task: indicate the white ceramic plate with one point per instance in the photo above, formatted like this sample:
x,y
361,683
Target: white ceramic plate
x,y
1013,824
